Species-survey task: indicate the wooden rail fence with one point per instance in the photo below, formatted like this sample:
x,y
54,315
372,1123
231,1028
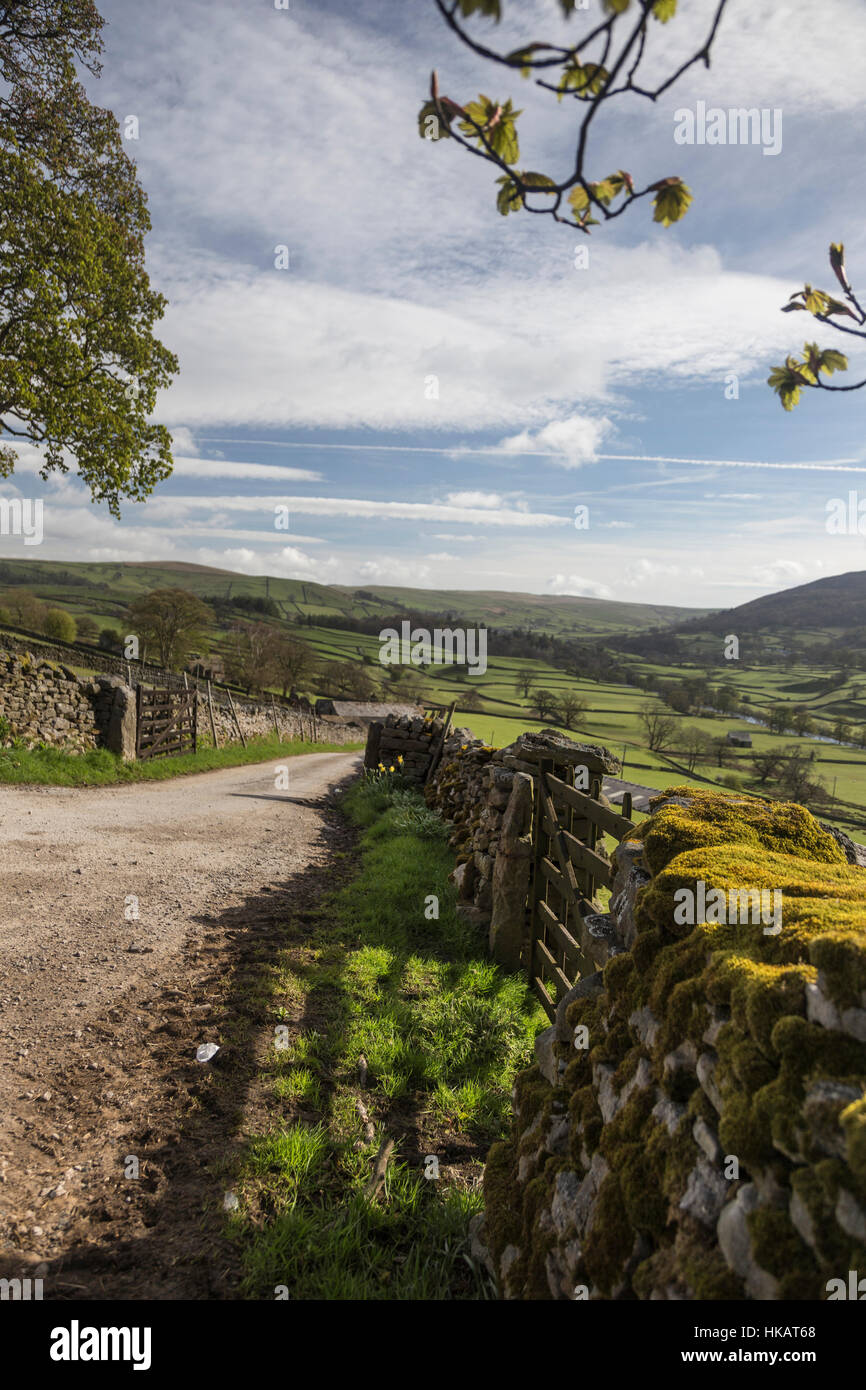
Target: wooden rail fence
x,y
570,864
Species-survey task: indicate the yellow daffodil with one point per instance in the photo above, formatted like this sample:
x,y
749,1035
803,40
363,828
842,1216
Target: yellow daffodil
x,y
391,768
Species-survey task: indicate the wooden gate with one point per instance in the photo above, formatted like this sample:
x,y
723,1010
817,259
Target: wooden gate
x,y
166,721
569,865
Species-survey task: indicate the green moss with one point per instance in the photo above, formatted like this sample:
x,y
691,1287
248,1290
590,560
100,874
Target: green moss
x,y
610,1240
501,1199
841,959
777,1247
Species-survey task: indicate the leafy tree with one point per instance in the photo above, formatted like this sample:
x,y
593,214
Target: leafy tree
x,y
805,371
797,780
293,661
602,63
472,701
172,620
27,610
250,658
695,747
659,727
109,639
571,709
87,629
767,762
545,703
58,623
524,682
778,719
79,364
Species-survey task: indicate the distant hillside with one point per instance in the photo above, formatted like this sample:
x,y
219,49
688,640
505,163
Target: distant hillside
x,y
836,604
101,587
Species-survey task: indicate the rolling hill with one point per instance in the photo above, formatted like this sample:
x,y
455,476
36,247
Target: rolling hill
x,y
99,587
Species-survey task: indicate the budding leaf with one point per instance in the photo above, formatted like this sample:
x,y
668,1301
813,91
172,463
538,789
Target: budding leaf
x,y
672,201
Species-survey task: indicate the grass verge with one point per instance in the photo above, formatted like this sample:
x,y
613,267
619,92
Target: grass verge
x,y
99,768
374,973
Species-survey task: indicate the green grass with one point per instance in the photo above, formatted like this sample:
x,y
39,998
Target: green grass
x,y
57,768
443,1031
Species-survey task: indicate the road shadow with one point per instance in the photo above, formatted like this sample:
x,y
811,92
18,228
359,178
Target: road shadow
x,y
162,1235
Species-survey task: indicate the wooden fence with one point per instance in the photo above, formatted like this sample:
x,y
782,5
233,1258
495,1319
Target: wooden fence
x,y
570,864
166,721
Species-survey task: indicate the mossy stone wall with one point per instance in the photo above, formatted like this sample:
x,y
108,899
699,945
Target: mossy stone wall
x,y
695,1127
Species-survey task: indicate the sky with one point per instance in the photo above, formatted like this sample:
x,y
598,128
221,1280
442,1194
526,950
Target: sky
x,y
433,389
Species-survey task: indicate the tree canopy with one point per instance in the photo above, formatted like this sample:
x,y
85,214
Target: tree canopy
x,y
80,366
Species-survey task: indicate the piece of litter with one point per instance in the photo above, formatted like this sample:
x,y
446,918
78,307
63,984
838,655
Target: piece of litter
x,y
230,1201
206,1052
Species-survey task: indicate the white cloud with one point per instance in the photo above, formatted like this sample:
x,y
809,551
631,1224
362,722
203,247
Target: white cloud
x,y
362,507
185,467
779,573
578,586
474,499
570,442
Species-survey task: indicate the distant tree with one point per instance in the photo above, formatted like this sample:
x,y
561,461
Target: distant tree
x,y
173,621
767,762
842,731
109,639
545,703
659,727
797,779
27,610
571,709
58,623
524,682
249,657
293,661
721,751
472,701
87,629
778,719
801,720
694,746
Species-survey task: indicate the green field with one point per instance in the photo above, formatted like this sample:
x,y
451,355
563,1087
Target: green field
x,y
493,705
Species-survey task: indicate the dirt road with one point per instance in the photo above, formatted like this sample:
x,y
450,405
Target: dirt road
x,y
120,908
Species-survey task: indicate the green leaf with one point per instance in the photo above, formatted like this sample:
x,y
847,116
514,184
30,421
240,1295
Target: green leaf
x,y
584,80
616,6
441,127
831,361
672,202
664,10
508,197
786,385
540,181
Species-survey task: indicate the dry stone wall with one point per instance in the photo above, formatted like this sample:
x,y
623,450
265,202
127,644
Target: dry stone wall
x,y
407,742
257,720
695,1123
45,702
